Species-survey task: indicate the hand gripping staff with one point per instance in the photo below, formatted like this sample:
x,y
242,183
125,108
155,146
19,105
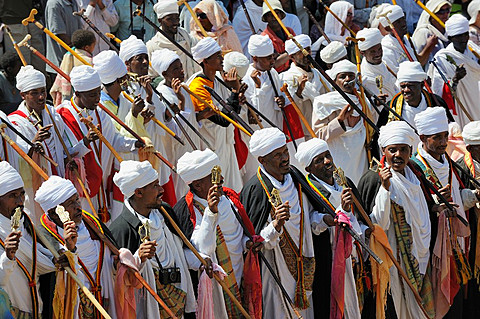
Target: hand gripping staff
x,y
139,13
82,15
322,71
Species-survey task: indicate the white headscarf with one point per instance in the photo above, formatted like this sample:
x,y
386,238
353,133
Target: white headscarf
x,y
109,66
457,24
9,177
372,37
132,47
53,192
165,7
28,79
133,175
410,71
84,78
162,59
236,60
342,66
332,25
396,132
308,150
205,48
196,165
265,141
303,39
333,52
471,133
260,45
431,121
473,9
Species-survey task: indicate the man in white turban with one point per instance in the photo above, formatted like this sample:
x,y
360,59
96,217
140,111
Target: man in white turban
x,y
79,235
315,156
168,18
460,67
35,122
373,68
283,222
393,53
210,211
338,124
397,202
219,132
304,83
98,165
143,205
431,157
16,247
333,52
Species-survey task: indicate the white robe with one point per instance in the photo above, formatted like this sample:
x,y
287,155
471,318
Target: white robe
x,y
393,53
12,278
370,73
406,192
11,155
272,297
242,27
170,252
467,89
204,239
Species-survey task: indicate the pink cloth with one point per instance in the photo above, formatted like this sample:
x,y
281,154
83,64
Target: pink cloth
x,y
125,285
205,293
69,174
252,282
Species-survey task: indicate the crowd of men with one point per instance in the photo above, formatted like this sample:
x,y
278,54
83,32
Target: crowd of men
x,y
239,159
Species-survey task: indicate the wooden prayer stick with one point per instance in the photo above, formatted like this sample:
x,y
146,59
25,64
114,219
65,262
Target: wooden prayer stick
x,y
284,89
194,16
15,45
319,27
102,138
197,254
31,19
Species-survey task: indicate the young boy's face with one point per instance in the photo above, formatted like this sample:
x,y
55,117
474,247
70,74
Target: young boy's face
x,y
89,48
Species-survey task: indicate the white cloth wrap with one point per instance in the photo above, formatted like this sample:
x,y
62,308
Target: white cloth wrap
x,y
372,37
333,52
10,178
84,78
342,66
53,192
162,59
28,79
196,165
303,39
260,46
134,175
471,133
456,24
265,141
396,132
109,66
395,14
308,150
132,47
431,121
205,48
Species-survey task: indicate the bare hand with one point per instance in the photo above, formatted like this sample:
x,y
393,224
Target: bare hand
x,y
91,135
432,41
213,198
347,199
382,99
255,77
177,88
385,175
329,220
460,73
147,115
62,262
231,78
205,114
147,250
11,244
208,268
280,100
43,134
256,247
442,208
137,105
344,113
146,82
446,192
301,85
282,214
70,235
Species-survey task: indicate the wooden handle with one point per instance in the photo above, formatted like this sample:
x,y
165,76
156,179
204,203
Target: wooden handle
x,y
284,89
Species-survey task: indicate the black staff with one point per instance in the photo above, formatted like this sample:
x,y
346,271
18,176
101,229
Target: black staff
x,y
94,28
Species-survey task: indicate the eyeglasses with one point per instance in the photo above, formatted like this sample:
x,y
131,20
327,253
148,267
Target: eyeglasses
x,y
202,15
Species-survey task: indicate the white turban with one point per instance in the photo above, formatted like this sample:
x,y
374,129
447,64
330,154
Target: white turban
x,y
109,66
456,24
205,48
53,192
372,37
395,14
342,66
473,9
333,52
410,71
165,7
28,79
236,60
471,133
162,59
308,150
134,175
260,46
131,47
431,121
373,19
9,178
304,41
196,165
84,78
396,132
266,140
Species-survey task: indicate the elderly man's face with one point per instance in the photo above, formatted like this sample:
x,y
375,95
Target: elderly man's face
x,y
400,26
170,23
374,54
277,163
11,200
436,144
74,208
460,41
474,151
322,167
412,92
35,99
397,156
344,81
300,59
264,63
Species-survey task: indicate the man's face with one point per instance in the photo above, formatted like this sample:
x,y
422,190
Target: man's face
x,y
344,81
175,71
400,26
300,59
11,200
138,64
412,92
436,144
374,54
35,99
215,61
349,19
460,41
277,161
152,195
474,151
397,156
322,166
272,22
265,63
202,186
170,23
74,208
89,99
